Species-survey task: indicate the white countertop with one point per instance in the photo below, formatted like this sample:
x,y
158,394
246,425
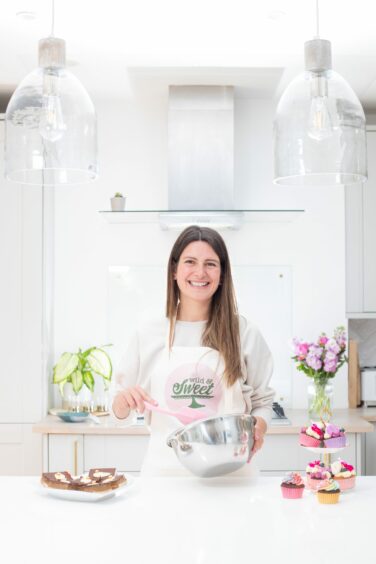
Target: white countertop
x,y
353,420
187,521
108,425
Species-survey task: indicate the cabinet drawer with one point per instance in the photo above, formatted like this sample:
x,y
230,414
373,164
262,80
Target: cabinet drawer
x,y
65,452
125,453
20,450
282,453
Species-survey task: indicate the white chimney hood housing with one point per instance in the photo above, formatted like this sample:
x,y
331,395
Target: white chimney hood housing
x,y
201,147
201,157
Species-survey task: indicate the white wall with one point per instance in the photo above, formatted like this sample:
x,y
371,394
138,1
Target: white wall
x,y
133,160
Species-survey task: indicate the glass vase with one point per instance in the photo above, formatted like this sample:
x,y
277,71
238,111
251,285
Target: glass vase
x,y
320,398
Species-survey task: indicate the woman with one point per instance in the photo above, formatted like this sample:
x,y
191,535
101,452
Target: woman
x,y
202,356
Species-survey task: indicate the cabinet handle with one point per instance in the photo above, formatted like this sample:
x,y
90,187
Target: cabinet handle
x,y
75,457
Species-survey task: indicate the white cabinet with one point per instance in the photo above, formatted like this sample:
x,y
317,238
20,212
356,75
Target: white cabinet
x,y
361,240
369,229
21,309
79,453
370,449
20,300
66,452
126,453
282,453
20,450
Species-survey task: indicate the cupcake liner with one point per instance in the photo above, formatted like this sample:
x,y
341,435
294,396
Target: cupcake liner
x,y
335,442
292,493
306,440
346,483
328,498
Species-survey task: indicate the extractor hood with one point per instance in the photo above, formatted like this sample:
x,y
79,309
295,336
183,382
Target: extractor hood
x,y
201,165
201,157
201,147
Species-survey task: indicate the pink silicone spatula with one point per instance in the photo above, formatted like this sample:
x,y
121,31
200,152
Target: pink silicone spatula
x,y
184,417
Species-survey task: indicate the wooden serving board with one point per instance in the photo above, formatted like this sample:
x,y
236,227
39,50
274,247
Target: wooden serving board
x,y
354,375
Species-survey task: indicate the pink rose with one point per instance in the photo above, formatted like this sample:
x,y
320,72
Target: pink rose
x,y
323,339
301,349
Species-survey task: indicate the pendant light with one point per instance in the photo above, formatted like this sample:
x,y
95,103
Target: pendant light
x,y
50,124
319,127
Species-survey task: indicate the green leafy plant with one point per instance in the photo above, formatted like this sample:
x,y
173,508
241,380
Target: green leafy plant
x,y
118,195
79,369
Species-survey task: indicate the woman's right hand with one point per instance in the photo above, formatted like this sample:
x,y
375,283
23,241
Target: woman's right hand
x,y
130,398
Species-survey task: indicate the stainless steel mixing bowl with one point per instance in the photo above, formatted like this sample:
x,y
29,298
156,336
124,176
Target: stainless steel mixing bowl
x,y
214,446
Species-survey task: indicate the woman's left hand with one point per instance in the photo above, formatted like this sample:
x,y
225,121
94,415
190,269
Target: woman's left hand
x,y
260,430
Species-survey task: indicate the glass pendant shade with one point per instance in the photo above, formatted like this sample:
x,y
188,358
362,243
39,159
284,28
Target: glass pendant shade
x,y
50,135
319,128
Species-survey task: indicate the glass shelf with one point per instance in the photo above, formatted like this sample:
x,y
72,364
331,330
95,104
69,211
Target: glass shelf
x,y
178,219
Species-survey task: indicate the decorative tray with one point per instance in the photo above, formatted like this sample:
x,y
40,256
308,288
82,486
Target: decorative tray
x,y
57,410
325,450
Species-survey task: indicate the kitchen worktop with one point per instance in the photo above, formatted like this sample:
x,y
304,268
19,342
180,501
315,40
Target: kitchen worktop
x,y
108,425
187,520
369,413
353,420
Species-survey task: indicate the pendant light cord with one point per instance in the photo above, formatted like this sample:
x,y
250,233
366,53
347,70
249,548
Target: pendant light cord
x,y
317,20
52,18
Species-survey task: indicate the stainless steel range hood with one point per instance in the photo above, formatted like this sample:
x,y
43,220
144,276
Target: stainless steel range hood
x,y
201,156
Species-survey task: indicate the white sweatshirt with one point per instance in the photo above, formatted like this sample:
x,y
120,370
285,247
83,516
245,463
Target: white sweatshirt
x,y
149,340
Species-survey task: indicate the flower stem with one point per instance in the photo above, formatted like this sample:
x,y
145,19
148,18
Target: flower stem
x,y
320,404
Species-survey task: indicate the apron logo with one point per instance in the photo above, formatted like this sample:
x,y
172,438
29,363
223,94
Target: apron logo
x,y
195,386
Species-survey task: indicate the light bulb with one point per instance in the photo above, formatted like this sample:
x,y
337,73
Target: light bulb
x,y
51,124
320,120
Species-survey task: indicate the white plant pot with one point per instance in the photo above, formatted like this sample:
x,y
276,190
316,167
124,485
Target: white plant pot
x,y
118,204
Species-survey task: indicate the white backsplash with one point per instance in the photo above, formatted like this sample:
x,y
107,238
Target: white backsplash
x,y
264,295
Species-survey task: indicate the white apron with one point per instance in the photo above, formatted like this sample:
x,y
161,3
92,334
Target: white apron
x,y
187,378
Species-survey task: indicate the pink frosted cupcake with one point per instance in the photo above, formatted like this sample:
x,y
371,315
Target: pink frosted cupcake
x,y
344,474
292,486
334,437
312,436
316,472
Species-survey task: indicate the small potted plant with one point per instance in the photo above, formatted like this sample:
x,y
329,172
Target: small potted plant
x,y
118,202
81,369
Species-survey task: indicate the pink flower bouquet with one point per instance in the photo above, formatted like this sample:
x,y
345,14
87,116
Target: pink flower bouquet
x,y
321,361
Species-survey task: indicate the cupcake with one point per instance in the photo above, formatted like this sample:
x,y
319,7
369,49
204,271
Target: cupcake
x,y
316,472
322,435
334,437
312,436
292,486
344,474
328,492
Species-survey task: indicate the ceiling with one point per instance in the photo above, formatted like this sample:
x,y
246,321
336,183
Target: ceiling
x,y
117,47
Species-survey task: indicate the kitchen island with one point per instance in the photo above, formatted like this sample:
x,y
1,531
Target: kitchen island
x,y
187,521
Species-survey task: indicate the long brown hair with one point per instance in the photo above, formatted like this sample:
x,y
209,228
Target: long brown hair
x,y
222,329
